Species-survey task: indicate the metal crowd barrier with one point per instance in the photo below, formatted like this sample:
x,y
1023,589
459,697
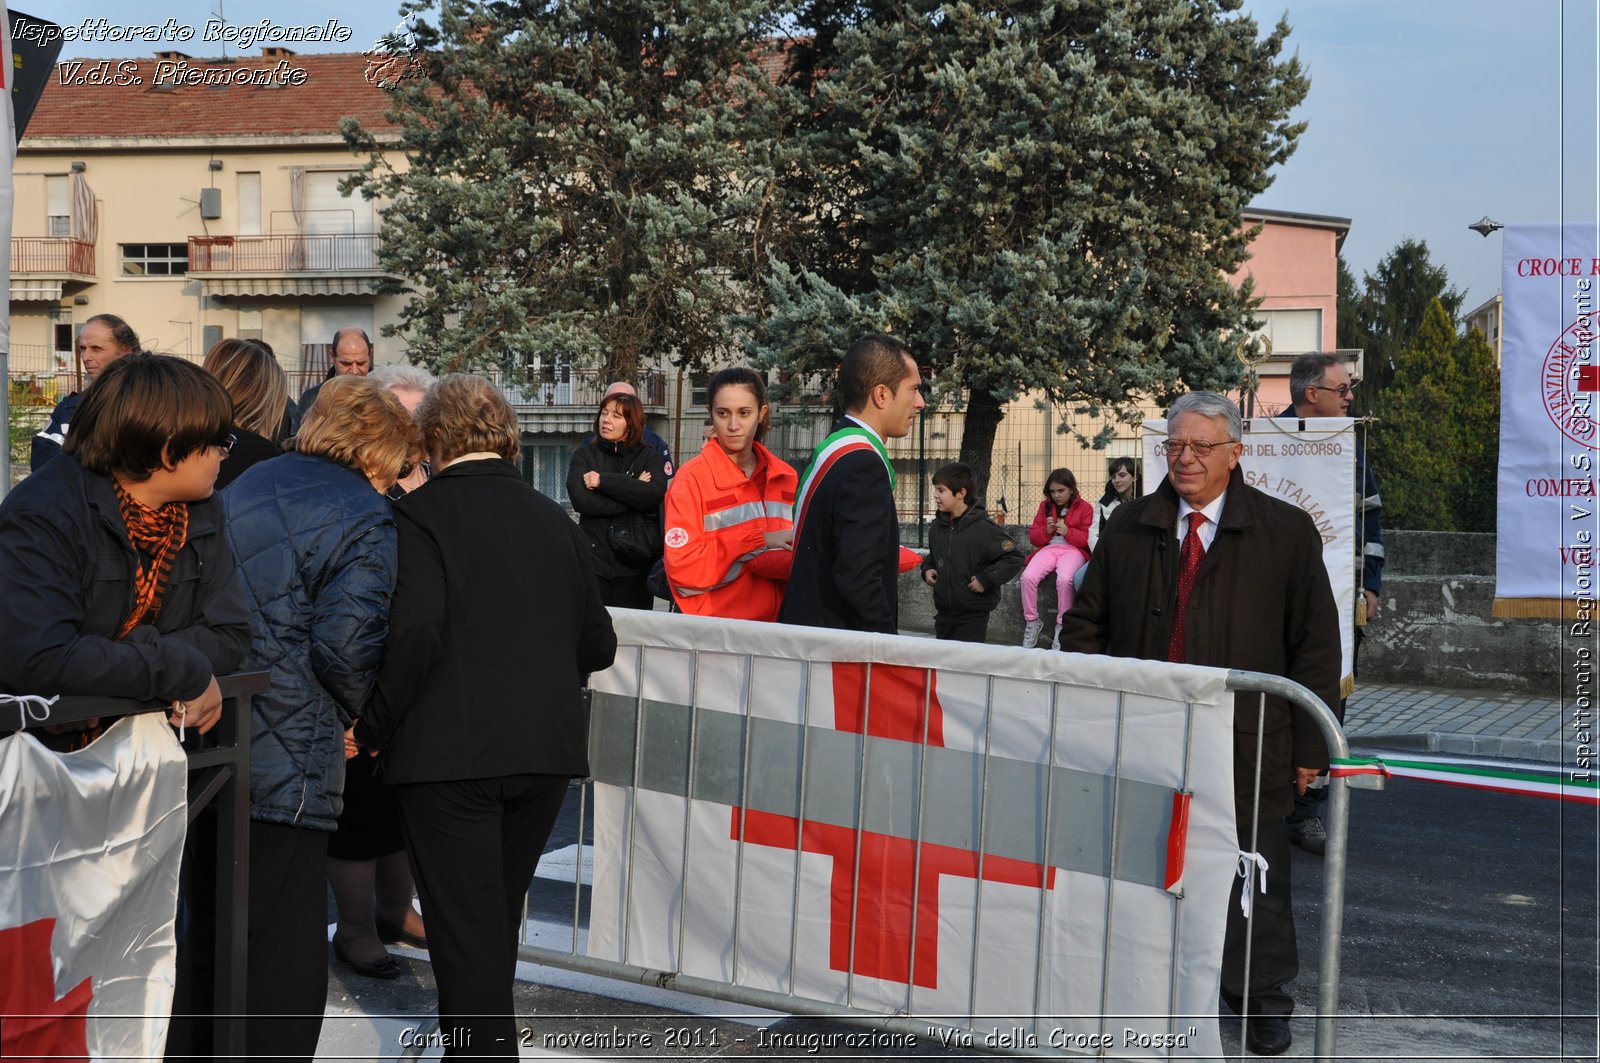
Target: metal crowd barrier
x,y
1120,806
219,777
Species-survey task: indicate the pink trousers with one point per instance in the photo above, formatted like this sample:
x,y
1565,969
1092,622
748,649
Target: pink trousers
x,y
1063,560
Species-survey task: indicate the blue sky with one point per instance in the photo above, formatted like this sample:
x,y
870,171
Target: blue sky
x,y
1424,115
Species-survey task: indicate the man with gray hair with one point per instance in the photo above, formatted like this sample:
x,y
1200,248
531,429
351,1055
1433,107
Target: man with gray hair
x,y
1208,570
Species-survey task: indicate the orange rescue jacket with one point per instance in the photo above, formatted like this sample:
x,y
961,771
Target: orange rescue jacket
x,y
717,519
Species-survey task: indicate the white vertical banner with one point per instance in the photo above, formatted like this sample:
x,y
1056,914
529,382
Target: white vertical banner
x,y
1309,463
90,844
1038,847
1549,380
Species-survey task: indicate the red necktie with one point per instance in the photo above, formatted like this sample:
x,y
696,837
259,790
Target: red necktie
x,y
1194,552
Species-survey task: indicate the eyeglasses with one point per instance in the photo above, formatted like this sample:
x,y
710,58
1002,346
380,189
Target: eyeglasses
x,y
406,469
1344,390
1173,448
225,444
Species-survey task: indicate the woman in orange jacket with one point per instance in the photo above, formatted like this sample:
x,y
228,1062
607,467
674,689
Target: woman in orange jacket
x,y
730,510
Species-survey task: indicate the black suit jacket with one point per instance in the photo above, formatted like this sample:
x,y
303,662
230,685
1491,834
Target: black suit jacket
x,y
496,623
846,570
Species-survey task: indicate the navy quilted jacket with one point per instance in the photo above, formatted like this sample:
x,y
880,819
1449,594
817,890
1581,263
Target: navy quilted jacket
x,y
316,545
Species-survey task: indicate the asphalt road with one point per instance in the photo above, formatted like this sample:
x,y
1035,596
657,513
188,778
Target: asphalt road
x,y
1470,925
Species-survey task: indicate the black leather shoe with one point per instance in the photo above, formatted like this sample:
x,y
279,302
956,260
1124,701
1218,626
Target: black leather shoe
x,y
387,968
1267,1035
390,934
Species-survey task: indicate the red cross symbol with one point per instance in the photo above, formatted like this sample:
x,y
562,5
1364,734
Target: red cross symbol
x,y
1588,378
883,910
33,1023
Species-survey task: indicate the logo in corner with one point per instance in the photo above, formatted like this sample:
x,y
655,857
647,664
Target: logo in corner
x,y
677,537
1569,383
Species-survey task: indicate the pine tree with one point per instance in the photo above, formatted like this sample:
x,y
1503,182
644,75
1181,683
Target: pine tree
x,y
1038,197
1388,315
1432,443
1477,415
587,181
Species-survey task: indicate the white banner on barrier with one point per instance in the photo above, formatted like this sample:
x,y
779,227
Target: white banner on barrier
x,y
760,790
91,843
1312,468
1549,377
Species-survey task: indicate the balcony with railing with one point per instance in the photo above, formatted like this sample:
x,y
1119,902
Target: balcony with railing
x,y
549,399
45,268
287,264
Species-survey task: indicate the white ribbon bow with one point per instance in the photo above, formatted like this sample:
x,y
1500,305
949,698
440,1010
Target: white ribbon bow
x,y
1249,865
25,704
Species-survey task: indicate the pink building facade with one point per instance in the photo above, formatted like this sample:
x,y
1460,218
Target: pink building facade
x,y
1294,262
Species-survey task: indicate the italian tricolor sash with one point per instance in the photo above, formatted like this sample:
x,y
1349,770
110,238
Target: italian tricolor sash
x,y
850,439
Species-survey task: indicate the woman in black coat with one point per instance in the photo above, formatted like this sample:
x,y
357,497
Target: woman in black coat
x,y
613,481
495,624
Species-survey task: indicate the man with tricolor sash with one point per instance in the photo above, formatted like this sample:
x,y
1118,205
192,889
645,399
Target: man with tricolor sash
x,y
846,532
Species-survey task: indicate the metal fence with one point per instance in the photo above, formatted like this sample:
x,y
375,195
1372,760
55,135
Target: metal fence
x,y
1056,819
219,779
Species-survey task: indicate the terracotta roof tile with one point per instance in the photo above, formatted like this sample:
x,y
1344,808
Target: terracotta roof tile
x,y
334,86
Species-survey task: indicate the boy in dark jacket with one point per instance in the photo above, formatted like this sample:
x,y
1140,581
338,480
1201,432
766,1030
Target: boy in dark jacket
x,y
969,558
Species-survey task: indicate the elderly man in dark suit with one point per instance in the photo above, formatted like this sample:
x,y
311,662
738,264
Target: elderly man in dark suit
x,y
1208,570
846,533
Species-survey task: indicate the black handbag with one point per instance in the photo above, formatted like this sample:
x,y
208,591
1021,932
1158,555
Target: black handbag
x,y
635,539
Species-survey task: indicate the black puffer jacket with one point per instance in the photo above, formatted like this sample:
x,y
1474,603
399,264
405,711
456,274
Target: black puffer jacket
x,y
66,586
316,545
620,492
970,545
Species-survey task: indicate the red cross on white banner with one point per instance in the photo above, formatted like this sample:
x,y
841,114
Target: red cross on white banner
x,y
890,872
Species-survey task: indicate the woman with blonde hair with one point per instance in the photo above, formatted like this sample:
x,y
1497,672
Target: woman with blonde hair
x,y
315,540
477,751
258,388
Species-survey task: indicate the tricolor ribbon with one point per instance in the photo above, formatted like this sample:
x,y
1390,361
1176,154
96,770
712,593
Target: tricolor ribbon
x,y
1504,777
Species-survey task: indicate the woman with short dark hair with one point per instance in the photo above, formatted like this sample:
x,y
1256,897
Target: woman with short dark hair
x,y
316,545
617,482
115,577
478,750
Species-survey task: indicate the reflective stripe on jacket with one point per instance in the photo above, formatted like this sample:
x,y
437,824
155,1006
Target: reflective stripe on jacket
x,y
717,520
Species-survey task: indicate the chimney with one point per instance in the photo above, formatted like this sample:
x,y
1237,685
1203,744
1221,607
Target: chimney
x,y
272,52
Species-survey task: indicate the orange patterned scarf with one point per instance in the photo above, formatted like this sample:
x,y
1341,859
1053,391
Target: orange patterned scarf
x,y
157,535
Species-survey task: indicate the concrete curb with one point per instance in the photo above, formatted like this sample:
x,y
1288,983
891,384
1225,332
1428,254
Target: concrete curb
x,y
1534,749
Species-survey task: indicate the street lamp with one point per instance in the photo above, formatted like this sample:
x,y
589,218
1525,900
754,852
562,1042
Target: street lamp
x,y
1485,225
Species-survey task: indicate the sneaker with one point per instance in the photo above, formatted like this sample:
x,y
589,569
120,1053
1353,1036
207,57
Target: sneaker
x,y
1030,634
1308,834
1055,644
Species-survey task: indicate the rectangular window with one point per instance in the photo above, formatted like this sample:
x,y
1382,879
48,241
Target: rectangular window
x,y
249,324
57,207
249,204
1292,331
155,260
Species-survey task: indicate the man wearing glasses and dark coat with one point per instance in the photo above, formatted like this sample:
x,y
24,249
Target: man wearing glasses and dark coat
x,y
1240,586
1320,386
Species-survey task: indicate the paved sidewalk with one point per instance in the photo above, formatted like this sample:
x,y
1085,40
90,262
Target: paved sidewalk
x,y
1460,722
